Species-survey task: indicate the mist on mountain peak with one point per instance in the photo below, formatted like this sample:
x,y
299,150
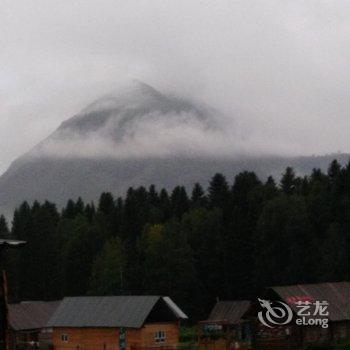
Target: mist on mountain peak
x,y
135,93
138,121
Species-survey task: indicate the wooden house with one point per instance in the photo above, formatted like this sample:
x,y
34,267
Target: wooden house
x,y
28,324
225,328
298,334
116,323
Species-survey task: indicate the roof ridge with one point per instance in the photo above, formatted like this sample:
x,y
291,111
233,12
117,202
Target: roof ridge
x,y
105,311
112,296
309,284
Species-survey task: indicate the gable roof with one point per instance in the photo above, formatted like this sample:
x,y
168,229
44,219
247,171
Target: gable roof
x,y
337,294
229,310
175,309
31,314
11,243
111,311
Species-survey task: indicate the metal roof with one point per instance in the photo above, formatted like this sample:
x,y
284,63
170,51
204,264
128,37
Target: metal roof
x,y
230,311
11,243
177,311
110,311
337,294
31,315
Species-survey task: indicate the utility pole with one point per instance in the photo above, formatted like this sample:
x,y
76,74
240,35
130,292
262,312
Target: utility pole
x,y
4,324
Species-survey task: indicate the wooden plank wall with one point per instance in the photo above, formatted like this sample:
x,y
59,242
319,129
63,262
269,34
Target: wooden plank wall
x,y
171,330
108,338
86,339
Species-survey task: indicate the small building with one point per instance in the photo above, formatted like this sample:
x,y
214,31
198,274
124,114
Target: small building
x,y
225,328
308,324
116,323
28,324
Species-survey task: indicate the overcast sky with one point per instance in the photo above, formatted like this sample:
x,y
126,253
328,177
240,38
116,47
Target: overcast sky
x,y
279,68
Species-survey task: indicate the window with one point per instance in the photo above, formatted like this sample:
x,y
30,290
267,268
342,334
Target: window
x,y
46,330
64,337
159,336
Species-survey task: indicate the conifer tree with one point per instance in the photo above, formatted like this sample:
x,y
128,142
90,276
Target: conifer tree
x,y
108,271
69,211
90,212
218,192
242,239
106,204
245,182
179,202
198,198
80,252
79,207
4,230
165,206
288,181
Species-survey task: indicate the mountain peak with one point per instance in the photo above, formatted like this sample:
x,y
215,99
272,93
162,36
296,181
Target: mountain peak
x,y
134,94
138,104
144,88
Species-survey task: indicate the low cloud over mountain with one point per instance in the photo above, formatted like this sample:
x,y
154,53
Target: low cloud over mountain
x,y
135,137
139,122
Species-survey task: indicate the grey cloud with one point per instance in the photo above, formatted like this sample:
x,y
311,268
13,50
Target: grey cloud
x,y
280,69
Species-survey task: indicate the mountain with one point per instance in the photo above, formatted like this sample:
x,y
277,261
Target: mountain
x,y
135,137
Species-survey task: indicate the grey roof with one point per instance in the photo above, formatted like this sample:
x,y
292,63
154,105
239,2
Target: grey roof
x,y
176,310
11,243
337,294
31,315
230,311
111,311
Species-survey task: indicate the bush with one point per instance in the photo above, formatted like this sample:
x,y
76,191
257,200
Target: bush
x,y
188,336
343,346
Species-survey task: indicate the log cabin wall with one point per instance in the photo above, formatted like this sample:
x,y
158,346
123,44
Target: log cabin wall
x,y
108,338
170,329
85,339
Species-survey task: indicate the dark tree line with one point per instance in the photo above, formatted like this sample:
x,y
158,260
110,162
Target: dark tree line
x,y
228,241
